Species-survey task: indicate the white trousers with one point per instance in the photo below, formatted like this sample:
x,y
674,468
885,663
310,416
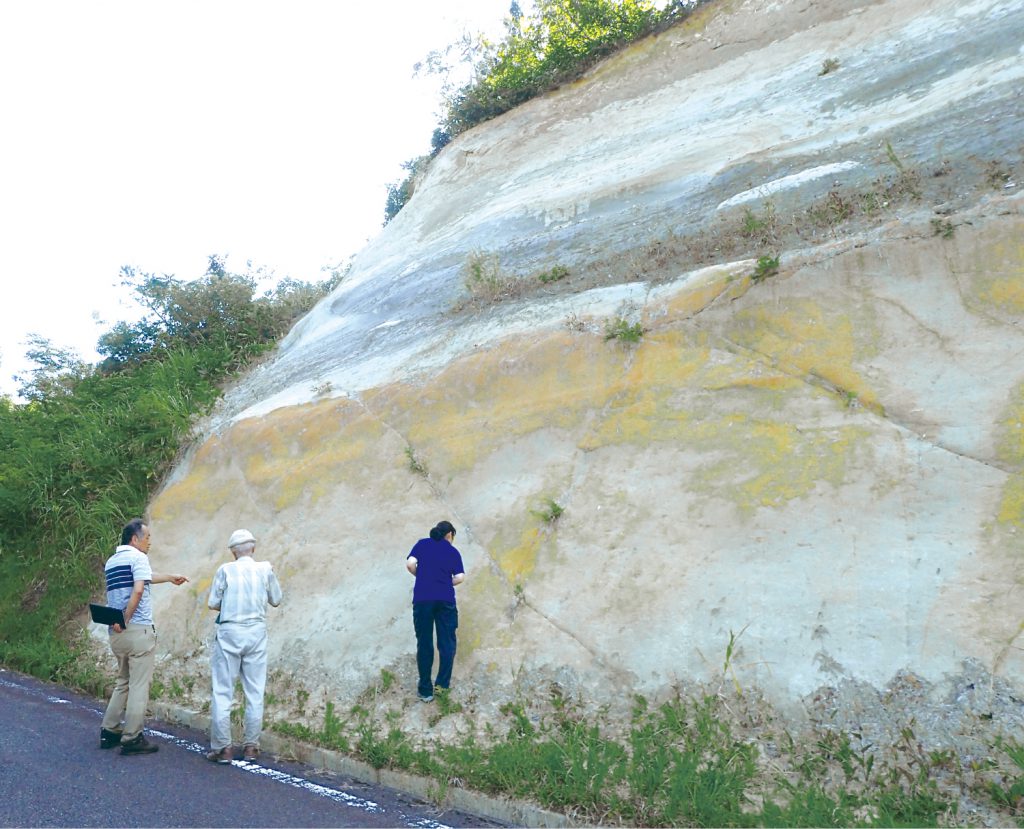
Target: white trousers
x,y
238,650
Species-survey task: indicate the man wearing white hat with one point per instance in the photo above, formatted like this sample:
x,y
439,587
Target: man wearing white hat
x,y
241,590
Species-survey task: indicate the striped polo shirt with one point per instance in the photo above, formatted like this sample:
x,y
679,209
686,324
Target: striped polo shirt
x,y
125,567
242,588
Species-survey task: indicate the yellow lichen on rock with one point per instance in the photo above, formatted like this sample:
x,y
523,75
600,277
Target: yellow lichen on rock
x,y
1010,451
278,459
204,490
489,398
804,339
646,405
698,292
1001,283
518,560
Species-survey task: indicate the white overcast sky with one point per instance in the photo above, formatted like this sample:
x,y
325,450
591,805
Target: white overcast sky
x,y
154,134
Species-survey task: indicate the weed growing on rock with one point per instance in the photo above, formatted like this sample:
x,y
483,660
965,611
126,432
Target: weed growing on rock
x,y
828,65
573,323
766,266
624,331
550,512
484,279
943,228
557,273
832,211
997,174
415,465
1009,793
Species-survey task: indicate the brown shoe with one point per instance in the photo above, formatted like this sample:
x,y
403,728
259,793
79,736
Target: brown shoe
x,y
220,755
250,754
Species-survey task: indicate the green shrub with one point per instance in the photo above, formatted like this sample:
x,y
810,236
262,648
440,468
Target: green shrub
x,y
766,266
556,44
484,279
624,331
943,228
550,512
556,273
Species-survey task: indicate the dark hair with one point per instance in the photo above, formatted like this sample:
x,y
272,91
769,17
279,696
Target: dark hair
x,y
131,529
442,529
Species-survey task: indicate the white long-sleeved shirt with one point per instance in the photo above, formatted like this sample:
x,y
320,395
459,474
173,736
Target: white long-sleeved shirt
x,y
241,590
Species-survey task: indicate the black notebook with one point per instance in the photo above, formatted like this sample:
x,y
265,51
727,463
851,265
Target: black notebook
x,y
103,615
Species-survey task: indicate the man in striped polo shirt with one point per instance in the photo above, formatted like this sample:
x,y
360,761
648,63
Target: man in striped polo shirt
x,y
241,590
129,576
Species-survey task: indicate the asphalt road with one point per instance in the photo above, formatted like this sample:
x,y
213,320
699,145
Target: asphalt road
x,y
53,773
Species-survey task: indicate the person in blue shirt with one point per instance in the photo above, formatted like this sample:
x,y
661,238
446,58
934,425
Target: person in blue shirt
x,y
437,566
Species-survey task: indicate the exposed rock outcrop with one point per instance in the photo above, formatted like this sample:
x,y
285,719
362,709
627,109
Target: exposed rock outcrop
x,y
824,465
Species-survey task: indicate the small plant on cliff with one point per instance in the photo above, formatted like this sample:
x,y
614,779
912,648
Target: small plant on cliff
x,y
1008,791
484,279
550,512
762,229
829,65
623,330
414,463
558,272
908,181
943,228
832,211
766,266
998,174
573,323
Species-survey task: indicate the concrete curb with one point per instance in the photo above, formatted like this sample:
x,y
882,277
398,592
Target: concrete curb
x,y
513,812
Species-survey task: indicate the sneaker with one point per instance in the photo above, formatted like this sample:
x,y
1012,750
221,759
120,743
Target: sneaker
x,y
426,697
109,739
140,745
220,755
250,754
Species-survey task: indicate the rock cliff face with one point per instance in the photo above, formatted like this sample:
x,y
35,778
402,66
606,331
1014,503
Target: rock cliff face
x,y
821,465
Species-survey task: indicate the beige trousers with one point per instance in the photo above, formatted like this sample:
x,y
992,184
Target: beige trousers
x,y
135,649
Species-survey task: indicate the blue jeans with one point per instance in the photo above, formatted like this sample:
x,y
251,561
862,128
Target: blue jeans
x,y
425,617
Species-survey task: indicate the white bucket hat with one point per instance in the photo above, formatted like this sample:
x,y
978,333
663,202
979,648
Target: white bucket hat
x,y
240,537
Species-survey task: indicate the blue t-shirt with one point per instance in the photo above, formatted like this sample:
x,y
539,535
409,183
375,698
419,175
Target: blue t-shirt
x,y
437,561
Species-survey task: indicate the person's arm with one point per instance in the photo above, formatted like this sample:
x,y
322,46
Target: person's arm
x,y
273,589
161,578
216,590
133,602
410,564
459,575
